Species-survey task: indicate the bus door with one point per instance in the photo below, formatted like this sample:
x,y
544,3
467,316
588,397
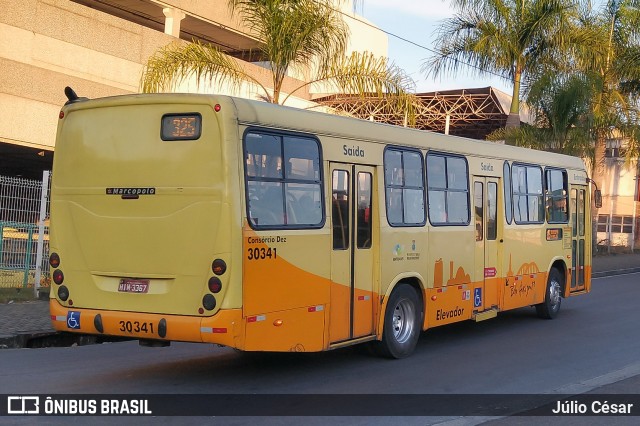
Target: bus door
x,y
488,269
579,239
352,216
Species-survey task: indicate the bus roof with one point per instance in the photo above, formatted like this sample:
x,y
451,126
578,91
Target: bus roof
x,y
260,113
251,112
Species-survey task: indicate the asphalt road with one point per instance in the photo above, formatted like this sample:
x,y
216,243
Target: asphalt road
x,y
594,342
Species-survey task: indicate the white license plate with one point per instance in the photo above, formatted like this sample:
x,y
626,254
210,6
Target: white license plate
x,y
133,286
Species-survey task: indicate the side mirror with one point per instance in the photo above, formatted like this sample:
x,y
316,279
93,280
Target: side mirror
x,y
597,198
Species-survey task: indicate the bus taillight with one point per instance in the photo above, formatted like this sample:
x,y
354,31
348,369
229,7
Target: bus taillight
x,y
219,267
58,276
63,293
209,302
215,285
54,260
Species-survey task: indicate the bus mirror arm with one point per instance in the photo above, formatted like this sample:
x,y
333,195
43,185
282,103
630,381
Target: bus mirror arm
x,y
597,194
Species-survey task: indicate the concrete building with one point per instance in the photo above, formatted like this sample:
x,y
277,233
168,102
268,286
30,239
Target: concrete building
x,y
618,222
98,47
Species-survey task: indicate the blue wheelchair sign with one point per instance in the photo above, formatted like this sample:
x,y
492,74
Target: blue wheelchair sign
x,y
477,297
73,320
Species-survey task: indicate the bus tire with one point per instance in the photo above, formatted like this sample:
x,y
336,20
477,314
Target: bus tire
x,y
553,296
402,324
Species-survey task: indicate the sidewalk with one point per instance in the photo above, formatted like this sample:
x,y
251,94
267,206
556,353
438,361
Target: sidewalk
x,y
22,322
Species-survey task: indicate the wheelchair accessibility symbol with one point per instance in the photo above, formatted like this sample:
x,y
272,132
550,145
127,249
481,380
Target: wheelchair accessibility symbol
x,y
477,297
73,320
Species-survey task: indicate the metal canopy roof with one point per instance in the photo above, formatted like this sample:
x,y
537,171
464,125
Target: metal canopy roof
x,y
473,113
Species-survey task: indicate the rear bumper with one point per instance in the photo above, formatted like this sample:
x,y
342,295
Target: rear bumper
x,y
224,328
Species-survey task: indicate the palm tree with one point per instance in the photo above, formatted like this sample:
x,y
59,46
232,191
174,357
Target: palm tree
x,y
611,51
560,105
509,38
294,34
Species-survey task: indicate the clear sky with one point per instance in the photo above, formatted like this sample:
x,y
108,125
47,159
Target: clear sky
x,y
417,21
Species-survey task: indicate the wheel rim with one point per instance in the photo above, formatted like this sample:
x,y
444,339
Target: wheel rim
x,y
403,320
554,294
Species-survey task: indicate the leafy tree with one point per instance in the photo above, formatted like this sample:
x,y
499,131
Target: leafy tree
x,y
562,119
510,38
294,34
610,52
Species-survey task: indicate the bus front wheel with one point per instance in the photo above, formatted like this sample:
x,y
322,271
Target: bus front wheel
x,y
553,296
402,323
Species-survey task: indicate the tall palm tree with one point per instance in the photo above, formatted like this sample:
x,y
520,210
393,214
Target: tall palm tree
x,y
509,38
293,34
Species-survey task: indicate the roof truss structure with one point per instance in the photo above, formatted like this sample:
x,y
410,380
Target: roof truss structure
x,y
472,113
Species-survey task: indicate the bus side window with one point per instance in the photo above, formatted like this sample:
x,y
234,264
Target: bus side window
x,y
448,189
265,203
404,187
508,209
284,186
479,209
528,204
557,196
340,210
364,219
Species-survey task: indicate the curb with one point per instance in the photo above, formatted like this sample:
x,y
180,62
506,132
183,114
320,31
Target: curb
x,y
602,274
51,339
23,339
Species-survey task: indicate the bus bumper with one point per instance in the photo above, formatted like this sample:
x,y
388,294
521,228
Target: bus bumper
x,y
224,328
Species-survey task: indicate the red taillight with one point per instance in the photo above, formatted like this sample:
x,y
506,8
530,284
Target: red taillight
x,y
54,260
58,276
217,108
215,285
61,115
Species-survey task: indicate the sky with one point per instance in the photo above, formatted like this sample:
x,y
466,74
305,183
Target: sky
x,y
417,21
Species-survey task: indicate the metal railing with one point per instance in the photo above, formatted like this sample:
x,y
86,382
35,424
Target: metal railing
x,y
24,232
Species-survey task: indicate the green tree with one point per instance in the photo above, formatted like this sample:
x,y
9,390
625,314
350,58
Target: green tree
x,y
560,106
610,52
509,38
294,34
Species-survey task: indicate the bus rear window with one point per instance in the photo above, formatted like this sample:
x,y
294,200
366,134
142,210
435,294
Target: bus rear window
x,y
283,181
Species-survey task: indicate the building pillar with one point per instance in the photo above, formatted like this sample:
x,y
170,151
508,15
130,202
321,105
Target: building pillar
x,y
172,21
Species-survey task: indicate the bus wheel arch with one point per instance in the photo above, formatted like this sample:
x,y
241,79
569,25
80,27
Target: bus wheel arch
x,y
553,294
562,269
401,320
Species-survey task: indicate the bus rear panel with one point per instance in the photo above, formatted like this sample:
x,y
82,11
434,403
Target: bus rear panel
x,y
140,216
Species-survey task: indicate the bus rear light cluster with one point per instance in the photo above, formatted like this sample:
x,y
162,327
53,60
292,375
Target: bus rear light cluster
x,y
58,278
218,267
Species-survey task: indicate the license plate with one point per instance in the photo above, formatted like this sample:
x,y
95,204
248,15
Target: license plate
x,y
133,286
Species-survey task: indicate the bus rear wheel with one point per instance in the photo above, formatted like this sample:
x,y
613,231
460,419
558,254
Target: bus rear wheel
x,y
553,296
402,324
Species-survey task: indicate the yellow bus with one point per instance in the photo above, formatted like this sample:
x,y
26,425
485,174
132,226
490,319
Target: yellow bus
x,y
198,218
